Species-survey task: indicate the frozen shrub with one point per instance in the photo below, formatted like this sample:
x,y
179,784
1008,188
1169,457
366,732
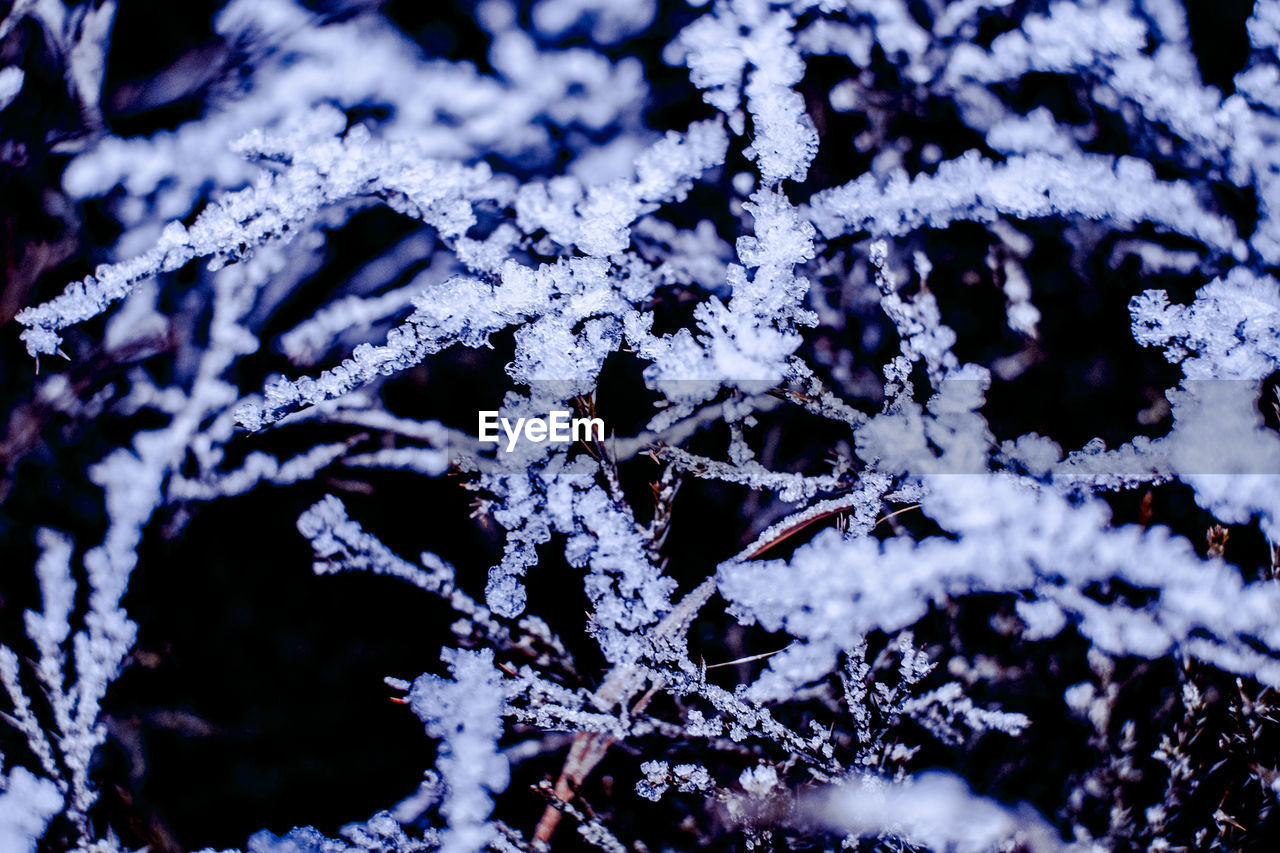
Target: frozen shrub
x,y
814,262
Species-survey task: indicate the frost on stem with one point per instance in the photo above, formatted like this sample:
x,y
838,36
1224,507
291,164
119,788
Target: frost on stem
x,y
320,169
466,714
1125,191
744,35
302,60
749,341
1231,331
341,544
27,802
1008,537
380,834
936,811
557,297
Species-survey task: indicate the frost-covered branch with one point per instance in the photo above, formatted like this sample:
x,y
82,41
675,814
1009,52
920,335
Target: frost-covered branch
x,y
466,714
320,170
1010,538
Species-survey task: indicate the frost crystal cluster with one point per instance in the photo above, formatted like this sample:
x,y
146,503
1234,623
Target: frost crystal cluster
x,y
937,347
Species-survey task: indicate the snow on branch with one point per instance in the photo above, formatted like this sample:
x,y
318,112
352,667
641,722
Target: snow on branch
x,y
465,310
1125,191
321,169
937,811
379,834
27,802
1011,537
341,544
747,343
1231,331
597,219
300,60
739,35
466,714
1109,41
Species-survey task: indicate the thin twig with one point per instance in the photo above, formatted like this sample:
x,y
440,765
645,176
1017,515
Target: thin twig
x,y
749,658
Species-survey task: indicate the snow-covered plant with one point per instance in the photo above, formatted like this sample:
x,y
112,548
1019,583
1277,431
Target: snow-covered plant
x,y
930,340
